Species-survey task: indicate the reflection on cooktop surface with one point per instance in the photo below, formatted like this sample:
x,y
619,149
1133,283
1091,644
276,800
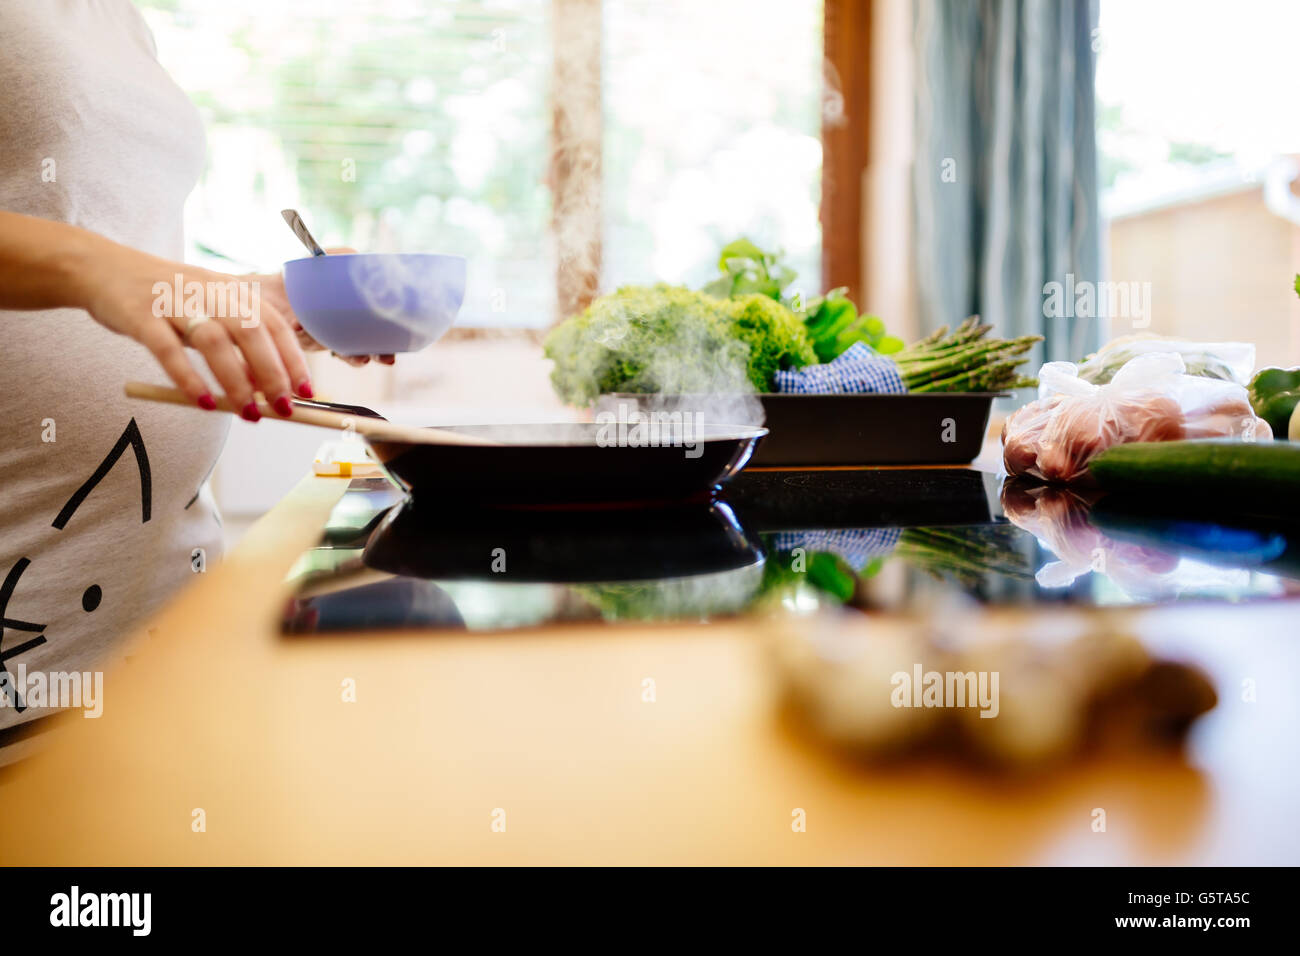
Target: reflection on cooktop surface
x,y
870,539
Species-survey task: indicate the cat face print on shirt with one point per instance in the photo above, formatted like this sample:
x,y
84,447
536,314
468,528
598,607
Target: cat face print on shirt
x,y
19,636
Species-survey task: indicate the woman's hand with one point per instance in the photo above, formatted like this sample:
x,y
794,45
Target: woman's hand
x,y
273,291
247,344
242,325
230,320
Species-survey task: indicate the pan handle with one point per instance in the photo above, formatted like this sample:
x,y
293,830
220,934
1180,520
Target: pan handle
x,y
359,410
374,429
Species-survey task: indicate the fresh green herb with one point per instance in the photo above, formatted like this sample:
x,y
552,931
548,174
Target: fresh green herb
x,y
748,270
832,319
834,324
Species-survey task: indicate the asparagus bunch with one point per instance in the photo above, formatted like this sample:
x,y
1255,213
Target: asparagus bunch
x,y
965,361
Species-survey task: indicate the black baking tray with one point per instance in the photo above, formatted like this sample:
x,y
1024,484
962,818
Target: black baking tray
x,y
934,428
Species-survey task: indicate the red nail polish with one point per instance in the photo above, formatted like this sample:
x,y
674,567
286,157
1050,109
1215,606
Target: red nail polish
x,y
207,402
305,390
250,412
283,407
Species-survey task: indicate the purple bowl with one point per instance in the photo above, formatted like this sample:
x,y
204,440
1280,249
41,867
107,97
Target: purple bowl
x,y
376,303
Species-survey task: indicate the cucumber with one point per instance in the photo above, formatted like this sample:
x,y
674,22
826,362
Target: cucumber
x,y
1261,477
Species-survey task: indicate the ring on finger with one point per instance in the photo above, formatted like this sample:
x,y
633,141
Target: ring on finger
x,y
192,324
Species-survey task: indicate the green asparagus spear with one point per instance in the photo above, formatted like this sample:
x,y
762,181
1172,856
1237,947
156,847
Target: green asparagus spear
x,y
971,357
986,378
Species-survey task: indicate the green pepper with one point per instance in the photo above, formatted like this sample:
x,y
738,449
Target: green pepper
x,y
1274,394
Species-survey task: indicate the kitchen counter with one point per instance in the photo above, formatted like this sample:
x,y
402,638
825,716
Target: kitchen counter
x,y
451,735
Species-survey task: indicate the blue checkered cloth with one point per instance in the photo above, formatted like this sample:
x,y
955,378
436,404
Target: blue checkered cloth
x,y
857,370
857,546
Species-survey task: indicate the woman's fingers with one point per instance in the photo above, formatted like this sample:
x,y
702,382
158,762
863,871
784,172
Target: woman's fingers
x,y
259,351
161,339
286,344
218,350
246,358
356,361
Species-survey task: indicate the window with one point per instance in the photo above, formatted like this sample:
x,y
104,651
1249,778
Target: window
x,y
712,130
1199,137
393,125
427,125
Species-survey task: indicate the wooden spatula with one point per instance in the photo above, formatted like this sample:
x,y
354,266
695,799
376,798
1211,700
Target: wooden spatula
x,y
376,428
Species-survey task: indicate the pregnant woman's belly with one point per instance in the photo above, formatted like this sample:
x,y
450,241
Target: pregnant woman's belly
x,y
102,510
101,516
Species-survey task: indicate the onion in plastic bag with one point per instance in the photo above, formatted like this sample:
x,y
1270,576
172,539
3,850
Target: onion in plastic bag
x,y
1150,398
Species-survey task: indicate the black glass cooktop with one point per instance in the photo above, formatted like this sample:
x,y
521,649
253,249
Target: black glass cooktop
x,y
872,539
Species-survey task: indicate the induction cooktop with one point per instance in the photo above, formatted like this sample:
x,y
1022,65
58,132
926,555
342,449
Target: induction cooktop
x,y
870,539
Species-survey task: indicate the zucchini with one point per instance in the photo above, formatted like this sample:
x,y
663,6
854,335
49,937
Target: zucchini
x,y
1259,477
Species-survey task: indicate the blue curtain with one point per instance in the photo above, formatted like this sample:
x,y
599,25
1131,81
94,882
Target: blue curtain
x,y
1005,181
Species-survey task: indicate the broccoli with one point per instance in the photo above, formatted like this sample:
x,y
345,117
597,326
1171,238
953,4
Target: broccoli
x,y
670,339
777,338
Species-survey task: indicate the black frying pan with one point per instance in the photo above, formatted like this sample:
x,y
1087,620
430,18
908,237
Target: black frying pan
x,y
561,464
564,464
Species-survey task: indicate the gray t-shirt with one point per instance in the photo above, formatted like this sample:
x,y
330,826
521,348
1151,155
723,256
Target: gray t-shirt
x,y
102,499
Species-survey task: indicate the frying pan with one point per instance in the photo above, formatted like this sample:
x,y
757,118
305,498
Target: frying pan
x,y
565,464
541,465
